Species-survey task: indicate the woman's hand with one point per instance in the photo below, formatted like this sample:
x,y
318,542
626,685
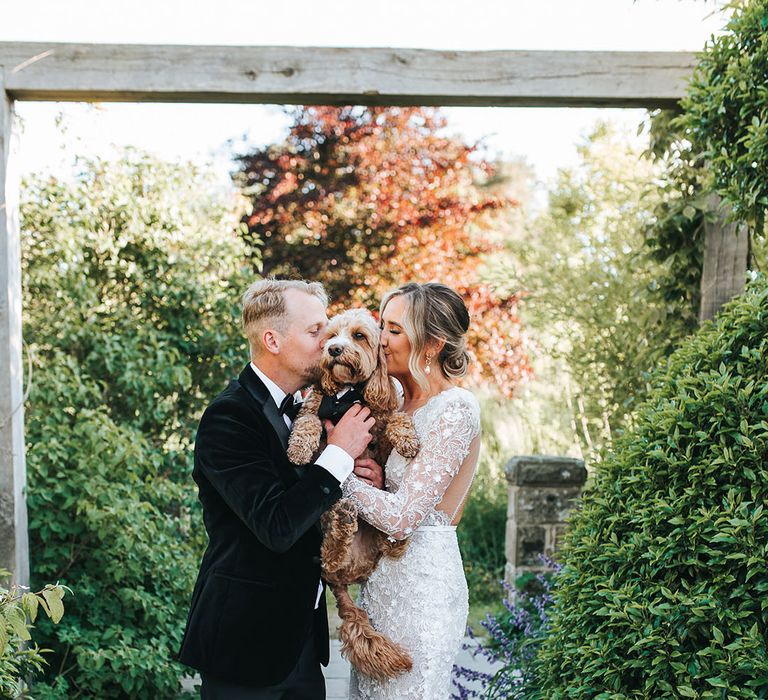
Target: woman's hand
x,y
368,471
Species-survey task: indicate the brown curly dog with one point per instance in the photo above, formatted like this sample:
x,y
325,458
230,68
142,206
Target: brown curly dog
x,y
353,363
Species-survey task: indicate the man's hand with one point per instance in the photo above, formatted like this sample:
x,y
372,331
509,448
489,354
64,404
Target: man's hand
x,y
370,472
352,432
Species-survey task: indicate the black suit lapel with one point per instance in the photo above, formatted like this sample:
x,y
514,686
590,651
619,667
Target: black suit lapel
x,y
250,381
255,387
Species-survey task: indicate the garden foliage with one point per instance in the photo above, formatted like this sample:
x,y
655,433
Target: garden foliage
x,y
726,110
675,235
592,301
664,589
483,522
19,657
132,279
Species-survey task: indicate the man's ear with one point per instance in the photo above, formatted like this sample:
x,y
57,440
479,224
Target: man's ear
x,y
270,341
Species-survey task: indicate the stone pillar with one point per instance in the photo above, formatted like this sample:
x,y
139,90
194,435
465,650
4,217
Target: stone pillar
x,y
542,491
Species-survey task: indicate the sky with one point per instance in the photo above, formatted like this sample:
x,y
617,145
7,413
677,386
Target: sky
x,y
546,138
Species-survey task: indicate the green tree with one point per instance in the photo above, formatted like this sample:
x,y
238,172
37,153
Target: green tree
x,y
591,300
132,272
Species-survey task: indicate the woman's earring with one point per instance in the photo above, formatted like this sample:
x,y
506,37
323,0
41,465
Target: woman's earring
x,y
428,369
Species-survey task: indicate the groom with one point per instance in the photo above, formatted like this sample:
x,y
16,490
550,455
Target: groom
x,y
257,626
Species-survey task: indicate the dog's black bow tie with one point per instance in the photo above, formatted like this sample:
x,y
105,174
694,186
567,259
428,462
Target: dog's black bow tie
x,y
289,407
334,407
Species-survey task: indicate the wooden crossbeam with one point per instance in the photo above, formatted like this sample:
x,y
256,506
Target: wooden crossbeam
x,y
369,76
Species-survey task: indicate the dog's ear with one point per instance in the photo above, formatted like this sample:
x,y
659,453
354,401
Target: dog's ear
x,y
379,390
329,385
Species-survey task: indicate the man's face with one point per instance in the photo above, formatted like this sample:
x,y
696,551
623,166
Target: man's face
x,y
301,345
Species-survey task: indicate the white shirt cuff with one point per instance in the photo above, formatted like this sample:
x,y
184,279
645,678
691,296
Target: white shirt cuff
x,y
336,461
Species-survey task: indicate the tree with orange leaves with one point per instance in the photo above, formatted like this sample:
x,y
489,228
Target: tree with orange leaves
x,y
364,199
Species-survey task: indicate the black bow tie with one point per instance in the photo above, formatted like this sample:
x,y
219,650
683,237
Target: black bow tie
x,y
289,407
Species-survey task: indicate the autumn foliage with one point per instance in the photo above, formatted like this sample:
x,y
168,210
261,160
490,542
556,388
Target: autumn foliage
x,y
365,199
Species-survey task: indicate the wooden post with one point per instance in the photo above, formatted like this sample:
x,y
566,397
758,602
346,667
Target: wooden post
x,y
14,555
726,256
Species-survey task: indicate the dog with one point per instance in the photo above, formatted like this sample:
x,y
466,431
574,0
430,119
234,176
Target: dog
x,y
353,370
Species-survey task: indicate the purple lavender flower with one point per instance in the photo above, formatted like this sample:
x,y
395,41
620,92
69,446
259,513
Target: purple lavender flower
x,y
513,641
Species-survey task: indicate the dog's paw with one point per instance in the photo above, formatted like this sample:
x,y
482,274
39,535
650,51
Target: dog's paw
x,y
305,439
402,435
408,446
299,452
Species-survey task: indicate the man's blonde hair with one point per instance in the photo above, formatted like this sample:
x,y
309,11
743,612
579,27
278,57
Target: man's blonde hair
x,y
264,306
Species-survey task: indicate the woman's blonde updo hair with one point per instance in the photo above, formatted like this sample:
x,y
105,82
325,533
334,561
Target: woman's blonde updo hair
x,y
434,311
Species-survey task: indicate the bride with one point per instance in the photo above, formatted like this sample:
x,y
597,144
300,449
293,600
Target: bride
x,y
420,601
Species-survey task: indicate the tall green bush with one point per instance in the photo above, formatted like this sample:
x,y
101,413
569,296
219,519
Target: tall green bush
x,y
132,273
664,590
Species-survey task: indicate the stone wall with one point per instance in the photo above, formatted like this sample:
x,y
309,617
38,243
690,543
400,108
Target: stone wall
x,y
542,491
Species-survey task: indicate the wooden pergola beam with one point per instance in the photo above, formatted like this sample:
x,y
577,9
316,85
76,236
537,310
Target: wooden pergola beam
x,y
366,76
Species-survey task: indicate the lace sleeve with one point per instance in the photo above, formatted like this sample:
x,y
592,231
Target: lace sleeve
x,y
443,449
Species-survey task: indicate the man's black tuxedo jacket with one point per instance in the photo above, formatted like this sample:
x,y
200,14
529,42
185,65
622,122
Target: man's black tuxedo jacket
x,y
253,603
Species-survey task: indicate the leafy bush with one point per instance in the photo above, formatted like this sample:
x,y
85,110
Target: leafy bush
x,y
664,587
18,612
727,110
132,278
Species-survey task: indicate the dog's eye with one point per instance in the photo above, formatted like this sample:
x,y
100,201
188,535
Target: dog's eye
x,y
358,336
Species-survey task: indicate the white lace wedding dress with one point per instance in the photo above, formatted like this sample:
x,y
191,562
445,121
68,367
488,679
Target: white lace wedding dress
x,y
420,601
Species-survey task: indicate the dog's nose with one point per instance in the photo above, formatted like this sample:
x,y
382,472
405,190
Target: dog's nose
x,y
335,350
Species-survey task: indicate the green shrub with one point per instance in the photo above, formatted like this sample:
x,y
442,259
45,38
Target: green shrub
x,y
664,590
726,110
18,612
481,538
132,278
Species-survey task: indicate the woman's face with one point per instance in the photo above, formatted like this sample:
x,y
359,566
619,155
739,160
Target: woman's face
x,y
397,347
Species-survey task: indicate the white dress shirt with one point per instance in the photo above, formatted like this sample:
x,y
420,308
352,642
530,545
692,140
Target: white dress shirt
x,y
333,459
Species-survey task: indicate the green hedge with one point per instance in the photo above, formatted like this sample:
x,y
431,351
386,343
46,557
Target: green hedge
x,y
132,277
664,592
